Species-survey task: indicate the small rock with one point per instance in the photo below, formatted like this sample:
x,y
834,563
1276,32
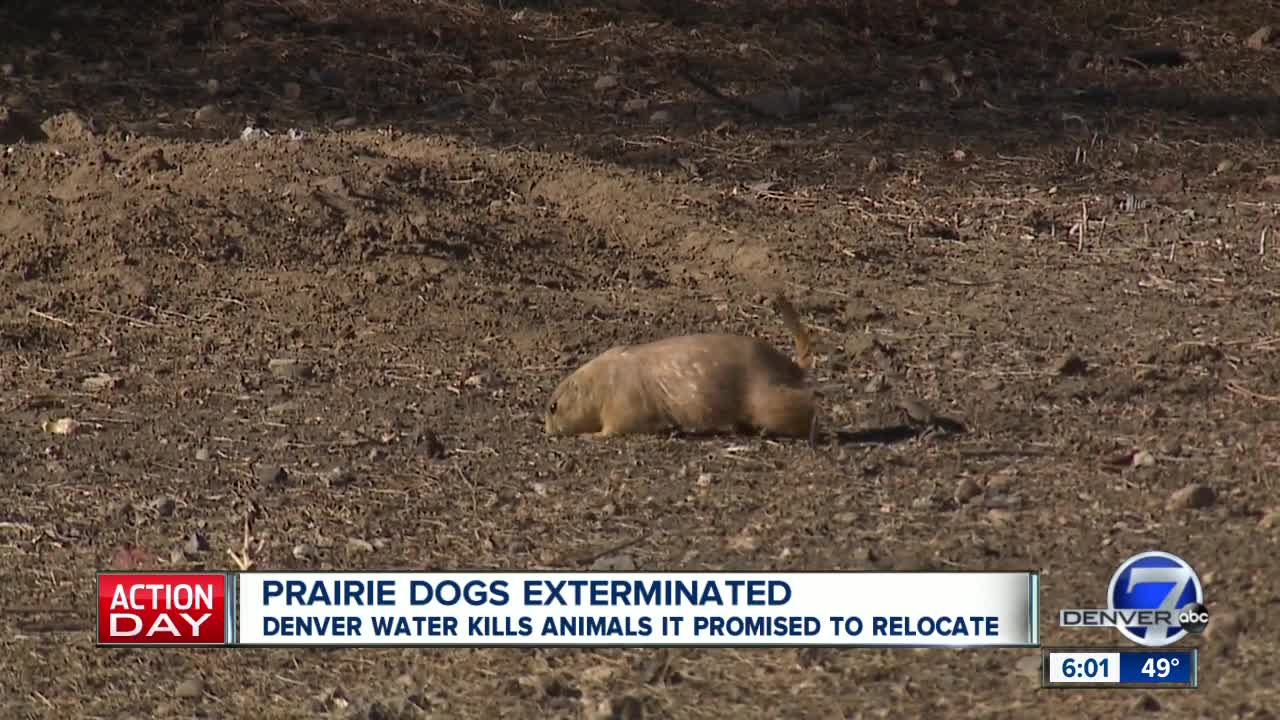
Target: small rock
x,y
202,455
98,382
1147,703
1028,665
164,506
635,106
876,384
1192,497
1270,521
1225,166
268,474
1142,458
339,477
474,381
190,689
207,115
346,122
1271,181
917,410
660,117
61,426
292,90
289,368
356,545
966,490
67,127
999,484
195,544
1261,38
304,551
606,82
621,562
8,69
1070,364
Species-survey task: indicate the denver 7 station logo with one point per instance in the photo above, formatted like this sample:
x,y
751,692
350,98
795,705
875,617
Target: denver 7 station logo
x,y
1154,599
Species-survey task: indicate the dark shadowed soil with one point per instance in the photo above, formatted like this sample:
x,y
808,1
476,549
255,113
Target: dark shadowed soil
x,y
1028,221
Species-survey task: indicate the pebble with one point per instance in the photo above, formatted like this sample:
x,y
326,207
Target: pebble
x,y
660,117
304,551
195,544
356,545
1270,521
1260,38
606,82
966,490
1192,497
1225,628
1147,703
621,562
268,474
289,368
164,506
1070,364
1028,665
339,477
1271,181
876,384
1142,458
202,455
207,115
190,689
346,122
98,382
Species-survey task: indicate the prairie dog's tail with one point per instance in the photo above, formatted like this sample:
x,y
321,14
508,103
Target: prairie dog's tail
x,y
791,318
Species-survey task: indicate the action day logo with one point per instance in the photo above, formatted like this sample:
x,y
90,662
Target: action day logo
x,y
1154,599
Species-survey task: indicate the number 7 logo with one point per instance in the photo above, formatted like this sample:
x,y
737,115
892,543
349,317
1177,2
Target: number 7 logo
x,y
1156,581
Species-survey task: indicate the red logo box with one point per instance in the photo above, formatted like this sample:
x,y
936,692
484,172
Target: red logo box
x,y
162,608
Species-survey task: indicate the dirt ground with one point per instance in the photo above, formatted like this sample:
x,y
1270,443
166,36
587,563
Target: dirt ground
x,y
1068,246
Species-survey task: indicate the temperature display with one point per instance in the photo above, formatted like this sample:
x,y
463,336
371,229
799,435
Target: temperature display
x,y
1125,667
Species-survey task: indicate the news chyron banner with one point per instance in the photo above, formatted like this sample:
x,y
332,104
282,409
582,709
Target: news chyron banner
x,y
579,609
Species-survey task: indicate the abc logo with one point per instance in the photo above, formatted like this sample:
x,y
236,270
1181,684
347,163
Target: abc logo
x,y
1194,618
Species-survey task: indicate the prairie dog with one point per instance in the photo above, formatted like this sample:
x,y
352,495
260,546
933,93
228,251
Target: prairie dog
x,y
705,383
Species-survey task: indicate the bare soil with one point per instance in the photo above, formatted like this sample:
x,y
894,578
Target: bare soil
x,y
1002,212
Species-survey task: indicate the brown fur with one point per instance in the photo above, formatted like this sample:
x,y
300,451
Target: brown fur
x,y
693,383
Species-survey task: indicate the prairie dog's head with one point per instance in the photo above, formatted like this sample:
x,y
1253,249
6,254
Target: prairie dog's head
x,y
574,408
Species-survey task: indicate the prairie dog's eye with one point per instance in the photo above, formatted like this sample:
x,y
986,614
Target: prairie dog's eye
x,y
552,407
